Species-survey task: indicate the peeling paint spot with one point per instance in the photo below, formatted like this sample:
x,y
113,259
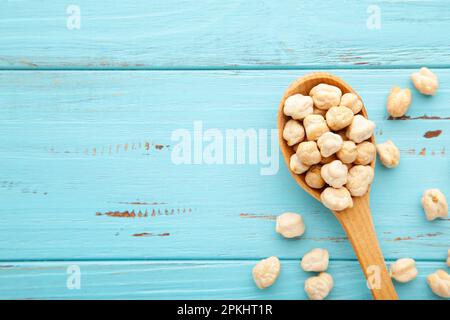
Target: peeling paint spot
x,y
141,214
423,152
432,134
257,216
147,234
424,117
426,235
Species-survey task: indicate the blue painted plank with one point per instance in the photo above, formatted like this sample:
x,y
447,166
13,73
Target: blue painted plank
x,y
223,34
187,280
79,145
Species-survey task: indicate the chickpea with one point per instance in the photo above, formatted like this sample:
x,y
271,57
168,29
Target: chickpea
x,y
425,81
315,125
439,283
359,179
296,165
334,173
298,106
315,260
352,101
398,102
318,288
360,129
365,153
389,154
329,143
313,178
293,132
320,112
434,204
325,96
336,199
308,153
347,154
266,272
290,225
404,270
339,117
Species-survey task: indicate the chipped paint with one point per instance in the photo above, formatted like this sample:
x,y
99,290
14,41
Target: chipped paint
x,y
424,117
127,147
432,134
257,216
148,234
143,214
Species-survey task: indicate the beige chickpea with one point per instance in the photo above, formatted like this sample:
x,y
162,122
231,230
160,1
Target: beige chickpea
x,y
389,154
336,199
313,178
308,153
319,287
315,125
329,143
439,283
296,165
320,112
359,179
298,106
315,260
339,117
352,101
365,153
334,173
293,132
403,270
360,129
266,272
290,225
348,152
398,102
434,204
425,81
325,96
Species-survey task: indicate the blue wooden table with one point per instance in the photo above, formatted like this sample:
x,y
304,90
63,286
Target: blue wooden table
x,y
93,95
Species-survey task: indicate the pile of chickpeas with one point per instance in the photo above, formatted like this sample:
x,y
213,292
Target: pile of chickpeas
x,y
333,151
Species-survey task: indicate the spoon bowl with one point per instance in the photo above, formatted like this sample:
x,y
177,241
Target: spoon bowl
x,y
356,221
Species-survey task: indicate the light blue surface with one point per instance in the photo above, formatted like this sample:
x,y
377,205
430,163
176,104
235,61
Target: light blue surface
x,y
77,144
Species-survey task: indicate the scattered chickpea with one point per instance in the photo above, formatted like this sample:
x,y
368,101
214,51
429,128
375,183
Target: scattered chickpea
x,y
365,153
313,178
359,179
315,125
339,117
434,204
293,132
348,152
315,260
439,283
308,153
296,165
329,143
398,102
298,106
336,199
352,101
334,173
318,288
290,225
266,272
425,81
389,154
403,270
325,96
360,129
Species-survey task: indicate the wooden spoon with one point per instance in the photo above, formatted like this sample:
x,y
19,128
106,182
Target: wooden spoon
x,y
356,221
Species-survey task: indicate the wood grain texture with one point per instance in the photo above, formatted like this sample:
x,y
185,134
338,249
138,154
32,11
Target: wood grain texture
x,y
59,178
224,34
188,280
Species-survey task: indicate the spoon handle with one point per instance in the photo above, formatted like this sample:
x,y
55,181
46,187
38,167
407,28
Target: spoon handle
x,y
358,225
